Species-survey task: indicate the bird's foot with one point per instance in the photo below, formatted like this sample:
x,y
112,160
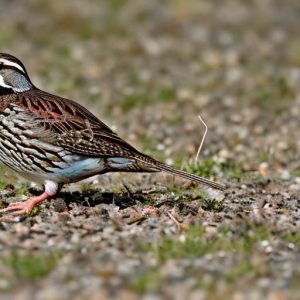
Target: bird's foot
x,y
20,208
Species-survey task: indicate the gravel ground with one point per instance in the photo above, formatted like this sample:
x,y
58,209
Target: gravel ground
x,y
148,69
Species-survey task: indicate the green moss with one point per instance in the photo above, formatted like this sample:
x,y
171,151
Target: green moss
x,y
95,97
113,21
85,31
145,95
3,168
292,237
195,243
165,94
242,268
149,281
212,204
179,196
240,241
7,177
264,156
263,97
23,190
232,170
31,267
296,173
35,211
209,168
2,185
205,169
150,149
273,94
130,101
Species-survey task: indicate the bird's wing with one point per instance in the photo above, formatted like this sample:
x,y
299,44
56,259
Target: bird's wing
x,y
65,123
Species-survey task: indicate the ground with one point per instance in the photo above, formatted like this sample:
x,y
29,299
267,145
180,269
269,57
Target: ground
x,y
148,69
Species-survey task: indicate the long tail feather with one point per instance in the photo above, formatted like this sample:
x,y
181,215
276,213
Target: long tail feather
x,y
166,168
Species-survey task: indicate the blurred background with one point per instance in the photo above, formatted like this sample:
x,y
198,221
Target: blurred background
x,y
148,69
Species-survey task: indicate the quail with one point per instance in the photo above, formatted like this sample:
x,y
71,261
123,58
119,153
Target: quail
x,y
52,141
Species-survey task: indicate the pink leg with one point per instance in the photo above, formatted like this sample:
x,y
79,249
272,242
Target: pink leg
x,y
24,207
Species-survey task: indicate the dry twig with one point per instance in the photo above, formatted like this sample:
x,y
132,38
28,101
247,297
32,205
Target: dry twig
x,y
202,141
180,226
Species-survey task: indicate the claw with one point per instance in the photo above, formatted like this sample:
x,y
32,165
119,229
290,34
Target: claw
x,y
21,208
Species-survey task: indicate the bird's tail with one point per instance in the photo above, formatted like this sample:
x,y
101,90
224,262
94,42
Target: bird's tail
x,y
159,166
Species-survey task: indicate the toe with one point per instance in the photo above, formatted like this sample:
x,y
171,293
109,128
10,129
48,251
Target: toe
x,y
9,208
14,210
11,216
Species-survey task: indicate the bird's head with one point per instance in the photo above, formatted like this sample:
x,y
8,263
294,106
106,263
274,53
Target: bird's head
x,y
13,75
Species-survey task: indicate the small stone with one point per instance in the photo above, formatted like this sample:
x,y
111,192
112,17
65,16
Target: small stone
x,y
263,169
59,205
297,180
285,175
265,243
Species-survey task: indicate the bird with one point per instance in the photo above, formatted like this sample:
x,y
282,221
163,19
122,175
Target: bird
x,y
54,141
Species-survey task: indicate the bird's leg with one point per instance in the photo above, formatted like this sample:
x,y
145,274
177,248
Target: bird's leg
x,y
22,207
25,207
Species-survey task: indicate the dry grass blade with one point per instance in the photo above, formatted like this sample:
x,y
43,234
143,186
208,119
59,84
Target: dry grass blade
x,y
202,141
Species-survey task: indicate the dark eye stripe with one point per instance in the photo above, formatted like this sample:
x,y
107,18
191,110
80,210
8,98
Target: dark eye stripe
x,y
3,67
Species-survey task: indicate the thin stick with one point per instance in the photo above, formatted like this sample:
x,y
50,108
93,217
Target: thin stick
x,y
169,214
202,141
180,226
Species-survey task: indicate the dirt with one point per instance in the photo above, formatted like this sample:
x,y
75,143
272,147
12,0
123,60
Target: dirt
x,y
148,69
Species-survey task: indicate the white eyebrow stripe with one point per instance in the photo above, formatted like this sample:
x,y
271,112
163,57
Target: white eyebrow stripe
x,y
2,83
10,63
